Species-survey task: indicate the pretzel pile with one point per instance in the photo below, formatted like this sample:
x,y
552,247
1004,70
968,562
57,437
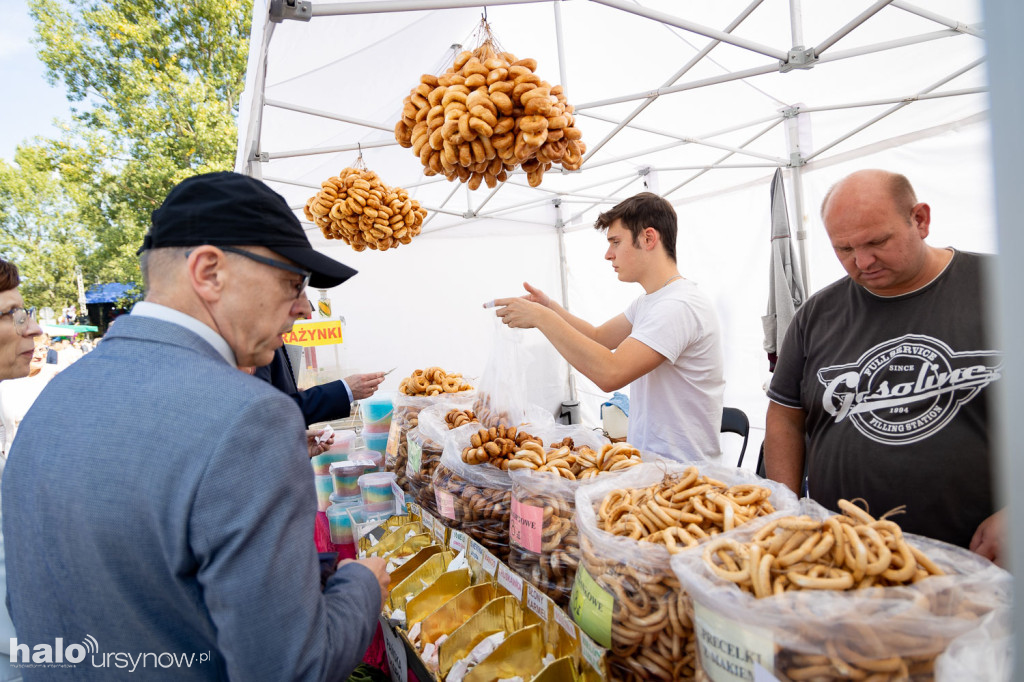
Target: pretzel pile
x,y
488,114
456,418
554,569
652,631
481,512
432,381
420,479
562,459
681,510
358,208
496,445
848,551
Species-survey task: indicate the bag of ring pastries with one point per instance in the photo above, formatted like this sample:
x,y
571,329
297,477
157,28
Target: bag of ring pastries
x,y
834,627
625,595
984,654
406,417
544,546
502,390
424,445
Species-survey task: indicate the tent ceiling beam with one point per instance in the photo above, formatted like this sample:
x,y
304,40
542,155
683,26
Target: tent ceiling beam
x,y
333,9
714,80
938,18
896,108
719,166
286,181
850,26
694,27
887,45
672,80
443,203
278,104
796,23
576,216
696,140
895,100
601,183
722,159
489,196
269,156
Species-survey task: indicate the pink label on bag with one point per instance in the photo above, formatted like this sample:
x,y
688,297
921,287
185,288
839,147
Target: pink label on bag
x,y
445,504
526,525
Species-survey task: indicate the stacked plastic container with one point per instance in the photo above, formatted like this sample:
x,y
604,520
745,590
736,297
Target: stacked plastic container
x,y
376,412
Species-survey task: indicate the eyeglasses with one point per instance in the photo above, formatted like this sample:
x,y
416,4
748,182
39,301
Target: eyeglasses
x,y
280,265
20,316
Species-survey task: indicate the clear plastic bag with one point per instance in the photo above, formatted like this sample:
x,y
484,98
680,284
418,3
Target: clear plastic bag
x,y
643,618
406,417
840,634
425,443
502,390
983,654
544,545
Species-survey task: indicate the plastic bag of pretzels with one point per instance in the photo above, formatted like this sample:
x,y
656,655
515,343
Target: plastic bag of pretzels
x,y
544,545
833,596
418,391
625,595
502,389
425,443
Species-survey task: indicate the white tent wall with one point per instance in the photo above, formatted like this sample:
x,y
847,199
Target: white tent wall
x,y
419,305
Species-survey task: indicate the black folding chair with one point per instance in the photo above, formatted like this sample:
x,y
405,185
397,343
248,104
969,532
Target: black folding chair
x,y
735,421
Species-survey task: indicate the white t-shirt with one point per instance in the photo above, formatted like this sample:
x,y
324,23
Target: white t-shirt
x,y
676,409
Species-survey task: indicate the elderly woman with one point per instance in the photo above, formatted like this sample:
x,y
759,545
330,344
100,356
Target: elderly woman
x,y
17,330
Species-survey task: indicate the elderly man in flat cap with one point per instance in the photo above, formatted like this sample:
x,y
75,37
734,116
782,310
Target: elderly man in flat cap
x,y
175,534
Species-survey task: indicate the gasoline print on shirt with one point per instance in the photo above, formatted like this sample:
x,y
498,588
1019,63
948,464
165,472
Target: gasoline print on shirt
x,y
906,389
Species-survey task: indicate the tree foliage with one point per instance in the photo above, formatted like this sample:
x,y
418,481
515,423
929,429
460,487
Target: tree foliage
x,y
155,87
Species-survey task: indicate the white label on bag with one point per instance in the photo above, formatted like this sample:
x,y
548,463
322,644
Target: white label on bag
x,y
563,619
458,541
489,563
415,510
476,552
729,649
592,653
537,601
395,650
510,581
440,531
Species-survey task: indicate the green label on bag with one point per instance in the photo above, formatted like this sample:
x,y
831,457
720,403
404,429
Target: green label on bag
x,y
412,465
591,607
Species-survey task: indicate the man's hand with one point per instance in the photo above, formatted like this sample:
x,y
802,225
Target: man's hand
x,y
364,385
988,539
318,448
520,312
379,569
536,295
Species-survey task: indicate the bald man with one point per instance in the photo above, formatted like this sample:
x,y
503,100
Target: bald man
x,y
882,385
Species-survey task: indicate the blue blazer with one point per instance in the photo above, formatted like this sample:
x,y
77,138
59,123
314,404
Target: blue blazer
x,y
179,520
323,403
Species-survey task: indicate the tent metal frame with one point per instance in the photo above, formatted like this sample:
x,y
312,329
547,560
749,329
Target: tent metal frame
x,y
797,56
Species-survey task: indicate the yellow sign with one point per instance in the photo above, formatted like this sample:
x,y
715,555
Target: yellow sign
x,y
314,334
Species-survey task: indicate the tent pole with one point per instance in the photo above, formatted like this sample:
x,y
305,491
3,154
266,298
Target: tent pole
x,y
560,40
937,18
253,161
333,9
327,114
796,24
1003,20
796,163
564,279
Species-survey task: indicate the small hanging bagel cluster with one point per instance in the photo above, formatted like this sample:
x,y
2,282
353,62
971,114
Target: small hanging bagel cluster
x,y
487,115
358,208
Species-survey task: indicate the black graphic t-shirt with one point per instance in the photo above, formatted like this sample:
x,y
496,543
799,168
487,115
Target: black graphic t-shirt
x,y
895,391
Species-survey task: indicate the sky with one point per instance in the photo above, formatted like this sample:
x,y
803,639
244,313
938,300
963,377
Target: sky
x,y
28,104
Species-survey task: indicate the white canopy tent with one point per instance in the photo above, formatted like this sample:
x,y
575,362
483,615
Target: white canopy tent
x,y
697,101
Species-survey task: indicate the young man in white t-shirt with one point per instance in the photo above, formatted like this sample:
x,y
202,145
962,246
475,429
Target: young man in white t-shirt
x,y
666,345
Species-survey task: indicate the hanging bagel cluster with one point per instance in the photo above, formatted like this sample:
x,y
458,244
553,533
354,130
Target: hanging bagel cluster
x,y
358,208
486,116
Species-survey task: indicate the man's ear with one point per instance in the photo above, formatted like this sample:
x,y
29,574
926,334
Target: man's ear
x,y
207,272
921,217
651,238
